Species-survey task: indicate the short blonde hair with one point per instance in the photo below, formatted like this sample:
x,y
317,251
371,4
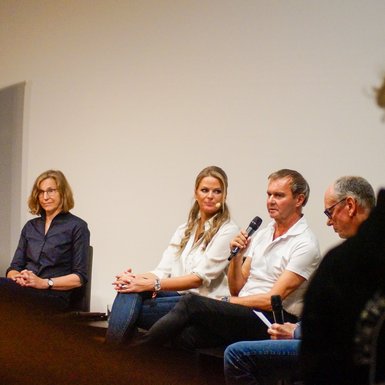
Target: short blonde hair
x,y
63,188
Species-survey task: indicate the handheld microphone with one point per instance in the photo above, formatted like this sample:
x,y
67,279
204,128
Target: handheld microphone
x,y
253,227
277,309
218,204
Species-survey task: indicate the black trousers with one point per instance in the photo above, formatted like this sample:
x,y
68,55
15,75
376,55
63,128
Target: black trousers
x,y
44,301
201,322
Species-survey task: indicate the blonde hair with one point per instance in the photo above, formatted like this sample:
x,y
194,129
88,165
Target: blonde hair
x,y
221,217
63,188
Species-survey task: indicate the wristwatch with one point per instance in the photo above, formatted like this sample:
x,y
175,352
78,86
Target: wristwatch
x,y
157,285
226,298
50,283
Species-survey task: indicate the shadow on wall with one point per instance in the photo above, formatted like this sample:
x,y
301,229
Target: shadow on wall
x,y
380,96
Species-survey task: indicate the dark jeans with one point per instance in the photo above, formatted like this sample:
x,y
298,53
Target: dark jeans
x,y
133,310
200,322
261,362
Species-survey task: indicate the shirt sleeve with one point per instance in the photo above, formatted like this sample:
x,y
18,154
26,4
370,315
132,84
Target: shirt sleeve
x,y
304,258
298,332
80,247
214,259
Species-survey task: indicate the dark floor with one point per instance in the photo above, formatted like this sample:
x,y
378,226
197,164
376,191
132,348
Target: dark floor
x,y
37,349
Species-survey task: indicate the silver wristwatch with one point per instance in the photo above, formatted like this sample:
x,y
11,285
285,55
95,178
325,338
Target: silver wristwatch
x,y
157,285
50,283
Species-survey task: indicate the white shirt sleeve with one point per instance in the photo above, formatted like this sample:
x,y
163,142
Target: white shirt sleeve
x,y
213,261
305,258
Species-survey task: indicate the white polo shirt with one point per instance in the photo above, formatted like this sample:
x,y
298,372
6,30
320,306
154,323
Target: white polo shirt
x,y
297,251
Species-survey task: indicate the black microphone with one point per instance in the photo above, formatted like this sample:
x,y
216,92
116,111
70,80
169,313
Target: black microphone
x,y
253,227
277,309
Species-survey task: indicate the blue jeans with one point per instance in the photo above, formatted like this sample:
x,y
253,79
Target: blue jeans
x,y
133,310
261,362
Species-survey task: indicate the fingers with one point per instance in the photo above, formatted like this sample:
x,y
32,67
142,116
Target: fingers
x,y
125,288
125,275
239,241
279,331
121,285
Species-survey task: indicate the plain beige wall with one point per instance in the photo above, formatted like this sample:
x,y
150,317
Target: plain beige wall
x,y
130,99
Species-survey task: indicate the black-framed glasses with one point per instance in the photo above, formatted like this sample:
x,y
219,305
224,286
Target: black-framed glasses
x,y
329,211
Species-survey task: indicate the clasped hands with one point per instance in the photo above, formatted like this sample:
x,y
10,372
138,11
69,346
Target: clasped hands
x,y
128,282
28,278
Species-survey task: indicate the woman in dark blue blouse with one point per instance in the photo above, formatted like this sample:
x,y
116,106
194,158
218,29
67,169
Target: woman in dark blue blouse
x,y
51,258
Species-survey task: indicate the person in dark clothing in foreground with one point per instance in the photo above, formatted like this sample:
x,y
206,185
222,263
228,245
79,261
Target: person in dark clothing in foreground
x,y
349,276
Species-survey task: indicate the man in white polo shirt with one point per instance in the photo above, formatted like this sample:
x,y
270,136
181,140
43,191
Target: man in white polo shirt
x,y
278,261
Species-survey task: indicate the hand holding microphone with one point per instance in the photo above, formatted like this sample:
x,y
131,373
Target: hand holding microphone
x,y
252,228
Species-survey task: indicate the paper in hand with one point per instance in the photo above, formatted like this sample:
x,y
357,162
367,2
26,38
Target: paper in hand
x,y
263,318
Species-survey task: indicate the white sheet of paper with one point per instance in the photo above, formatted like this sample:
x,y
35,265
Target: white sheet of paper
x,y
263,318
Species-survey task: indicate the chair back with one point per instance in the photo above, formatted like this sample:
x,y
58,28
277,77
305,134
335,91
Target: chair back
x,y
81,296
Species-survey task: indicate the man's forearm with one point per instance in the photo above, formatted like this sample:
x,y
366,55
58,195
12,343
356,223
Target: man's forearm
x,y
257,301
235,276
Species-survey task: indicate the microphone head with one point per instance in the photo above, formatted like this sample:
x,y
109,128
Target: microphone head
x,y
276,302
218,204
255,223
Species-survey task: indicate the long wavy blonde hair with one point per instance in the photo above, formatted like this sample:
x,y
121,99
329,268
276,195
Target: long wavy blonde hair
x,y
221,217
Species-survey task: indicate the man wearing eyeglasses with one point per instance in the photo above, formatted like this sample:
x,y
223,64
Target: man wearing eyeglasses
x,y
348,203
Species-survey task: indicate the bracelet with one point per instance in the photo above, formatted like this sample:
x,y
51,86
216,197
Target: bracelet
x,y
156,287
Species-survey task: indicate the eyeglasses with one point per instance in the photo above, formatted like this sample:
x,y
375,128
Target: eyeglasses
x,y
329,211
50,192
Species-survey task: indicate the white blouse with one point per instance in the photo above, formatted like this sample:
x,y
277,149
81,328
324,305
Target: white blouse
x,y
210,264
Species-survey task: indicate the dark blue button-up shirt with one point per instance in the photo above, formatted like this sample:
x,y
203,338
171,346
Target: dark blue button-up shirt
x,y
62,251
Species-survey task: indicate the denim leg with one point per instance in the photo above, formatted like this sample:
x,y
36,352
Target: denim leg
x,y
261,362
168,327
154,309
123,317
136,310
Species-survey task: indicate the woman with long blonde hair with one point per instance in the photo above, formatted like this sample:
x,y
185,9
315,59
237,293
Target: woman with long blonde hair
x,y
195,261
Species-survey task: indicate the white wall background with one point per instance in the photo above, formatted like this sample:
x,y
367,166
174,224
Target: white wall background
x,y
130,99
